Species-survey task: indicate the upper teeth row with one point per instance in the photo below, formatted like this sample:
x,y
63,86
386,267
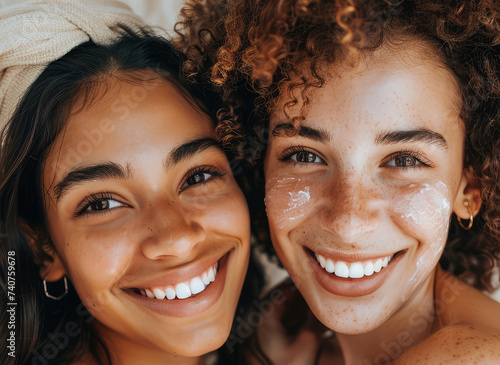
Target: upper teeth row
x,y
183,290
356,270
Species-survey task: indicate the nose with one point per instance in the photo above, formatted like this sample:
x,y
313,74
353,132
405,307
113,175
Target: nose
x,y
350,209
171,231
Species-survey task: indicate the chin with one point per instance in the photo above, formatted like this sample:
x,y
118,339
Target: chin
x,y
351,323
350,316
200,344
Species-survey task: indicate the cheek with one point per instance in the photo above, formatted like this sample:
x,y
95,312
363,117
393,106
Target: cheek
x,y
423,211
288,202
228,215
95,262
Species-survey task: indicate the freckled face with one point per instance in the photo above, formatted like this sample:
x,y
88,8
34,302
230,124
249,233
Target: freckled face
x,y
151,203
359,202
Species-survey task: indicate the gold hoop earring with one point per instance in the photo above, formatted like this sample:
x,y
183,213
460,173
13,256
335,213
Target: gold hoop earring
x,y
60,296
469,226
471,218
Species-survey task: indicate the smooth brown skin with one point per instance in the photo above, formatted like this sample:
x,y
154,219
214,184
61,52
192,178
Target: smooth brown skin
x,y
156,223
359,203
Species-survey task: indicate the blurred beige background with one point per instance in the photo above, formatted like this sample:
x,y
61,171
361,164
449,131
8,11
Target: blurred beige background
x,y
155,12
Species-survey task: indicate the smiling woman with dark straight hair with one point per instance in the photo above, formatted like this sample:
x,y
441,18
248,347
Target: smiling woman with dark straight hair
x,y
129,233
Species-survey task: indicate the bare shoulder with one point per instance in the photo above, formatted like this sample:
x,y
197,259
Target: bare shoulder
x,y
456,344
467,328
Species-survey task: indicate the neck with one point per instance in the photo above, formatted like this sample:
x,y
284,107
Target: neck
x,y
125,352
404,329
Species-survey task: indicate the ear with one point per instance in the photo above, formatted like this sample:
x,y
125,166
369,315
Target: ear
x,y
468,200
51,267
52,270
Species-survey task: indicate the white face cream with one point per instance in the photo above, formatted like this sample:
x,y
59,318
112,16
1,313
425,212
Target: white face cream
x,y
427,208
292,207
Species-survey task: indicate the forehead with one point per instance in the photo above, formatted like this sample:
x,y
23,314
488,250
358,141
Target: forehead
x,y
390,85
125,120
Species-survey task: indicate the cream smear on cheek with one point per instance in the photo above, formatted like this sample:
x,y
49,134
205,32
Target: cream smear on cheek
x,y
425,211
286,200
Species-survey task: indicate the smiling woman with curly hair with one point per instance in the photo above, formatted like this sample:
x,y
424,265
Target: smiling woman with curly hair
x,y
375,128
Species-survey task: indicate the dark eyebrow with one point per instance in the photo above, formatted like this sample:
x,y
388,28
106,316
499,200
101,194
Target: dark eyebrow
x,y
112,170
190,148
108,170
288,130
417,135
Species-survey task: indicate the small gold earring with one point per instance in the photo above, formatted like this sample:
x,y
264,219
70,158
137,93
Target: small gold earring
x,y
471,218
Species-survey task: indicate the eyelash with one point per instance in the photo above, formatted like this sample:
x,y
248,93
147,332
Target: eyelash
x,y
213,171
82,210
93,199
422,161
286,155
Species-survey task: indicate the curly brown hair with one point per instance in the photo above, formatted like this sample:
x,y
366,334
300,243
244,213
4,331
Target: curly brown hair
x,y
253,50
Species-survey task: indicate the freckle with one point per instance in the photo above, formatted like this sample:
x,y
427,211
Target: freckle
x,y
93,305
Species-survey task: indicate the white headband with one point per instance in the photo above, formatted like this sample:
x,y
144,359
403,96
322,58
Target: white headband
x,y
39,32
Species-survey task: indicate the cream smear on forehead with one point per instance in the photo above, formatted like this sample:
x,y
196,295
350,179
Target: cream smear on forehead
x,y
427,208
291,204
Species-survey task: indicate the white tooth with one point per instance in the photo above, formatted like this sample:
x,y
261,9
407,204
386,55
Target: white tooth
x,y
150,294
216,266
378,265
341,269
211,274
205,278
159,294
356,271
368,269
182,291
143,292
390,257
322,261
385,262
196,285
329,266
170,293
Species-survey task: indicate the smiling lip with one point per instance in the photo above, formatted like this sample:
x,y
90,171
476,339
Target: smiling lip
x,y
182,274
195,304
352,287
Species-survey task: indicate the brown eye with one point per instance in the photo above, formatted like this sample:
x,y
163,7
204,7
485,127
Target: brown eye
x,y
198,178
306,157
405,161
201,175
100,204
